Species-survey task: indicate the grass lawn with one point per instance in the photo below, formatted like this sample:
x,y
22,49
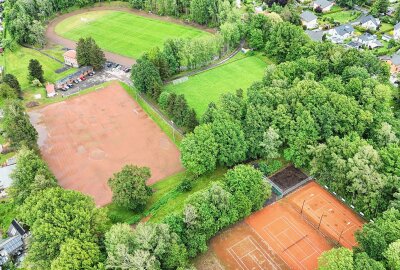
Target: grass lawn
x,y
122,32
385,27
343,16
17,61
166,199
208,86
7,214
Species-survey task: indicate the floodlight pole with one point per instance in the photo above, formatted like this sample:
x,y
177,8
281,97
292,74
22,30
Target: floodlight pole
x,y
173,130
340,236
302,207
320,220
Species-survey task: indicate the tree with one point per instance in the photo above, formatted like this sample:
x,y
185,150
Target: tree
x,y
199,150
30,176
17,127
55,215
392,255
88,53
75,254
35,71
230,139
336,259
379,7
245,181
172,49
363,262
6,92
271,143
12,81
146,77
129,187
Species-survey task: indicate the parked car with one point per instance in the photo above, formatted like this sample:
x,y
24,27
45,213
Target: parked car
x,y
76,81
127,70
83,78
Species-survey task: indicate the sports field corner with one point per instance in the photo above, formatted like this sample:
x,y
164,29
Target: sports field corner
x,y
92,136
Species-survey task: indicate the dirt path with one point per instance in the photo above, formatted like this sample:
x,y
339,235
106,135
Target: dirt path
x,y
53,37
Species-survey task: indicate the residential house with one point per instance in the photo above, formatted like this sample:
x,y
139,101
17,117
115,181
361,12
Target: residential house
x,y
324,5
394,63
315,35
387,37
396,31
70,58
309,20
369,41
340,33
50,90
14,245
83,71
369,22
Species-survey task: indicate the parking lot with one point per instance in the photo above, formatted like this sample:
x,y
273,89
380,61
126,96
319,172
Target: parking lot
x,y
111,72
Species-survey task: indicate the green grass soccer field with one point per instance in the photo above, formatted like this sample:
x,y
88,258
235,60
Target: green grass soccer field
x,y
208,86
123,33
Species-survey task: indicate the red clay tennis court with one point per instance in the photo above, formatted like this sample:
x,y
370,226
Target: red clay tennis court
x,y
289,235
86,139
326,213
240,247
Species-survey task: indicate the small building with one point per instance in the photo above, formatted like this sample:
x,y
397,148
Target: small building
x,y
340,33
369,41
394,63
50,90
83,71
396,31
315,35
324,5
70,58
309,20
369,22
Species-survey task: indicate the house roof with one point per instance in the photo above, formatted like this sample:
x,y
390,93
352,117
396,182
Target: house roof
x,y
397,26
70,54
308,16
344,29
12,244
5,179
354,44
74,75
367,37
50,89
323,3
14,224
368,18
395,59
315,35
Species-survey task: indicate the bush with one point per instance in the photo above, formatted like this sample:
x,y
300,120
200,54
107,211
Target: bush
x,y
268,168
186,185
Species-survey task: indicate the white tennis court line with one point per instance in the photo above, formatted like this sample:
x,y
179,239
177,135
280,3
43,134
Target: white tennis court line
x,y
257,247
290,224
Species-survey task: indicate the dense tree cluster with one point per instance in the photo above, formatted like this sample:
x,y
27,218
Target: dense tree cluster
x,y
13,82
224,203
88,53
35,71
179,111
66,227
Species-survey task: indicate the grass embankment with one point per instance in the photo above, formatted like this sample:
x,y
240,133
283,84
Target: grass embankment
x,y
240,72
166,198
124,33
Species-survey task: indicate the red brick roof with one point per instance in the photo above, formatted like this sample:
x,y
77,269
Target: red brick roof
x,y
50,89
70,54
